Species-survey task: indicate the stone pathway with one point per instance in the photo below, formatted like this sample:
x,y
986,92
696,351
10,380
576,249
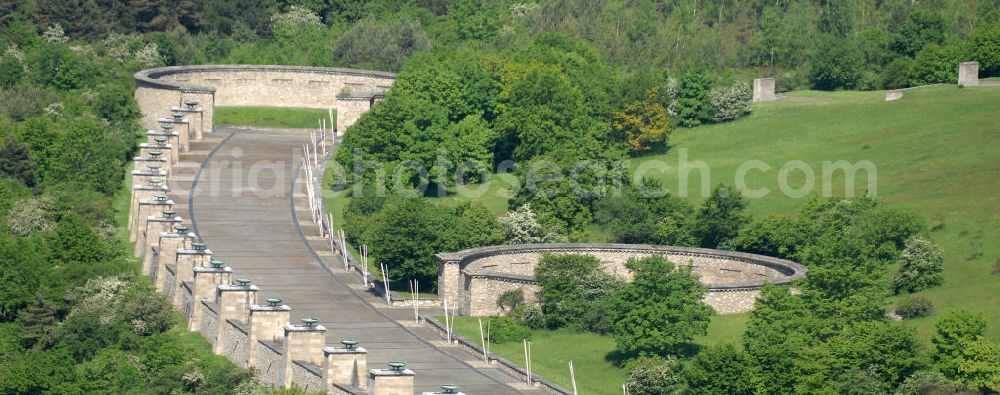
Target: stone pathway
x,y
241,204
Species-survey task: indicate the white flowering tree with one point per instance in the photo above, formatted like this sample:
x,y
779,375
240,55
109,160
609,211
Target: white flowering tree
x,y
521,226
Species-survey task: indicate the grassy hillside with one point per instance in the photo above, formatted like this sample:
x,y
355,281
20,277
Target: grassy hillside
x,y
936,151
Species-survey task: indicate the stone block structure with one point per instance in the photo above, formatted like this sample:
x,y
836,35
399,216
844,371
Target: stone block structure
x,y
968,74
345,365
763,90
474,279
348,91
396,380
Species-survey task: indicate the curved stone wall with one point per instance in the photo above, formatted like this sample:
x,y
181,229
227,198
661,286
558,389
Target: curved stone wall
x,y
351,92
475,278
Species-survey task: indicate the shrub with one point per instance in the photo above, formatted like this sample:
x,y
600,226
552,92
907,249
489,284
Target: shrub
x,y
938,64
506,330
654,376
25,102
985,46
575,291
31,215
921,266
10,71
694,101
836,64
530,315
926,382
914,307
509,300
732,102
897,74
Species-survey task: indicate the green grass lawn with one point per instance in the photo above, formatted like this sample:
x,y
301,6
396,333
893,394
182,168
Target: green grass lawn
x,y
936,152
595,372
272,117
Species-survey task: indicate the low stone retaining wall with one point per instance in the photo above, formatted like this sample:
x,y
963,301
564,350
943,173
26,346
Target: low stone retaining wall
x,y
270,363
236,345
209,320
350,92
307,376
475,278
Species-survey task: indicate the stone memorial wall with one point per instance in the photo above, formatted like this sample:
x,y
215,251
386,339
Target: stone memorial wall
x,y
475,278
161,91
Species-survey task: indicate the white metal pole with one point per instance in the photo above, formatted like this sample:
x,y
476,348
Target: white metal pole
x,y
385,282
416,300
527,371
482,339
529,362
572,376
447,325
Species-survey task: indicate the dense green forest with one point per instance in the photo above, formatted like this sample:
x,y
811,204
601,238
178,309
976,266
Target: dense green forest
x,y
538,83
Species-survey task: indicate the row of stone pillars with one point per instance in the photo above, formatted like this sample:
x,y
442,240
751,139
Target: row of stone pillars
x,y
224,309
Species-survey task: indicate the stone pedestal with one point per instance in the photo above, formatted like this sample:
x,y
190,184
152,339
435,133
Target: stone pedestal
x,y
968,74
166,253
187,259
141,175
196,117
206,283
183,128
303,342
392,381
173,138
234,304
146,208
143,192
206,100
267,323
167,151
345,365
142,161
763,90
154,226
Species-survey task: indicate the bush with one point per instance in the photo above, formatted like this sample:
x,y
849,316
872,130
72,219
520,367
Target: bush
x,y
530,315
380,45
914,307
836,64
927,382
509,300
10,71
25,102
938,64
921,266
732,102
575,291
897,74
694,101
506,330
654,376
985,46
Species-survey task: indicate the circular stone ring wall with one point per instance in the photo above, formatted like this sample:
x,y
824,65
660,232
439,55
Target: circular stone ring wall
x,y
475,278
349,91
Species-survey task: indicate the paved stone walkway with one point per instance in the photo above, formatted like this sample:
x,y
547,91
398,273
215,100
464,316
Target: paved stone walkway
x,y
241,205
